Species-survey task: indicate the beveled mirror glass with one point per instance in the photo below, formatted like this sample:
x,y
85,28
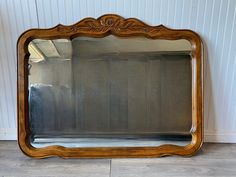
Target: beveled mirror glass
x,y
128,93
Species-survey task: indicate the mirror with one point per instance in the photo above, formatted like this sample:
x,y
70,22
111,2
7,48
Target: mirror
x,y
110,92
109,87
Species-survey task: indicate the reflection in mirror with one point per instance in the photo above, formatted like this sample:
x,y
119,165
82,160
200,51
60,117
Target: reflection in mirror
x,y
110,92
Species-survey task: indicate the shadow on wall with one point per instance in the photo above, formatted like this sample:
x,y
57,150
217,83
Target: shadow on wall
x,y
209,106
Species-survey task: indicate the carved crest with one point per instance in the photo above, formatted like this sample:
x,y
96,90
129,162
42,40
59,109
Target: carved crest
x,y
113,23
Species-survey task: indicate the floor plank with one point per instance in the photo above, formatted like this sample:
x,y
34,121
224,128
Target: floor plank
x,y
14,163
213,160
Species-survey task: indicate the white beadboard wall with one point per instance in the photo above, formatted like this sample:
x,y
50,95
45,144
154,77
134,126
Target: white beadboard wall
x,y
214,20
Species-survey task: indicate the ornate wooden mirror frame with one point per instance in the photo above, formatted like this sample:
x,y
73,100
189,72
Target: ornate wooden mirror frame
x,y
103,26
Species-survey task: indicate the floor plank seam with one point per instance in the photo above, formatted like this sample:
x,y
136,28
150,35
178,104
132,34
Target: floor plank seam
x,y
110,167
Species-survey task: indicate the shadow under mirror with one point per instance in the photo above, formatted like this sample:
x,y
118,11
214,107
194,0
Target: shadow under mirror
x,y
110,92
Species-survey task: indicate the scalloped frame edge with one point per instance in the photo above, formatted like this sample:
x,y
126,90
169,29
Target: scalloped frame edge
x,y
109,24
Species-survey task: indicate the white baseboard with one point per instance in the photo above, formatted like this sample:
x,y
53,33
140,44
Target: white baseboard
x,y
11,134
220,137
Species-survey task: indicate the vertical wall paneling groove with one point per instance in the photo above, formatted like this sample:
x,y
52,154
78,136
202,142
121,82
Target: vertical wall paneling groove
x,y
208,75
214,20
15,17
227,49
215,65
205,30
230,75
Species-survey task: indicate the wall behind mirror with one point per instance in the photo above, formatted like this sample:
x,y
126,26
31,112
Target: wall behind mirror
x,y
214,20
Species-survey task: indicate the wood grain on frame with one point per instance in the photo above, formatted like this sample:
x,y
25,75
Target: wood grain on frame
x,y
103,26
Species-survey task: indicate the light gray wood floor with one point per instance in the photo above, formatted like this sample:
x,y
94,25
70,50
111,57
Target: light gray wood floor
x,y
213,160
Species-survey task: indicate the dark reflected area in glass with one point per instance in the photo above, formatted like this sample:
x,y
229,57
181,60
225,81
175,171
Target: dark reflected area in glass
x,y
110,91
